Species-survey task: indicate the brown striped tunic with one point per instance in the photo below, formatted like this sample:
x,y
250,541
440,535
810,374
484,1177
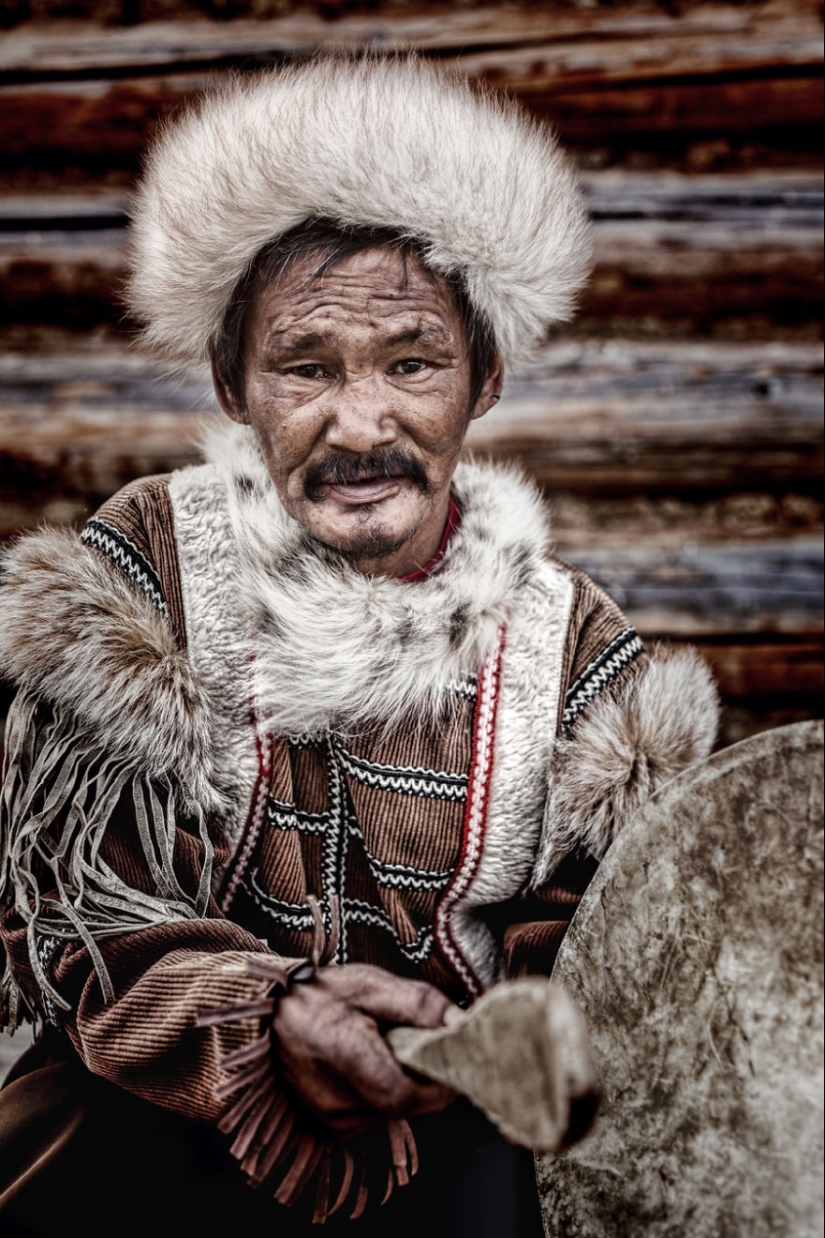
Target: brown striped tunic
x,y
382,819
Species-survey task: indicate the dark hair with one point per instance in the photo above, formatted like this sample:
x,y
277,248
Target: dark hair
x,y
332,242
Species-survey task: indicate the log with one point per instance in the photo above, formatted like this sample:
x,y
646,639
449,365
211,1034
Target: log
x,y
700,250
787,672
628,419
715,69
769,587
588,43
620,420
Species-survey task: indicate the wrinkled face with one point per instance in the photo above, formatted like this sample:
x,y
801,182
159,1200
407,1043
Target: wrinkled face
x,y
357,384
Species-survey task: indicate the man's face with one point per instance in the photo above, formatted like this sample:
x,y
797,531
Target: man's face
x,y
357,385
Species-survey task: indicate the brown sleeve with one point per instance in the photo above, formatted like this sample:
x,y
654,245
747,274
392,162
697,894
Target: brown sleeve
x,y
134,529
531,943
146,1039
162,967
603,651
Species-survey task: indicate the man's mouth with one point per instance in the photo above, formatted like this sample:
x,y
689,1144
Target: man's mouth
x,y
364,479
365,490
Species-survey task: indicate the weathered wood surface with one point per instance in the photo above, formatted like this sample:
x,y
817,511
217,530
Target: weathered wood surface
x,y
704,251
618,418
714,68
684,472
583,42
770,587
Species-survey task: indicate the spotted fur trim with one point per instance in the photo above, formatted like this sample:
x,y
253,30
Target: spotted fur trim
x,y
77,632
623,747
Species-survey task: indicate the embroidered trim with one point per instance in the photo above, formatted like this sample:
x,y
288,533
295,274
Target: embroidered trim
x,y
363,913
601,672
466,687
334,853
298,916
284,816
400,876
47,948
307,739
293,915
407,780
128,558
475,817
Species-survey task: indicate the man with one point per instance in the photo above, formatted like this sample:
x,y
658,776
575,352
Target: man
x,y
325,697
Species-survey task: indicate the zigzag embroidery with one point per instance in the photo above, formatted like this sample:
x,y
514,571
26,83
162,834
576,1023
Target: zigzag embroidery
x,y
466,687
416,951
400,876
307,739
407,780
126,556
353,911
601,672
293,915
394,876
287,817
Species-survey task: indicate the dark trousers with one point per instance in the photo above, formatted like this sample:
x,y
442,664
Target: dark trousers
x,y
78,1155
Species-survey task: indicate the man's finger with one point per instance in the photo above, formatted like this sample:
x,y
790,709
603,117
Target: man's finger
x,y
393,999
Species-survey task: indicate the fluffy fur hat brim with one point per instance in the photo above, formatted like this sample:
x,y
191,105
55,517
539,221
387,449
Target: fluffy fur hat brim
x,y
377,142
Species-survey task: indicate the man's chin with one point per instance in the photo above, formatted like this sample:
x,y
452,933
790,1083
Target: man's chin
x,y
358,545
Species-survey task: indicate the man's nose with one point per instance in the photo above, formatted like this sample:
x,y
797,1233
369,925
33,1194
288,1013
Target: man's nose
x,y
359,418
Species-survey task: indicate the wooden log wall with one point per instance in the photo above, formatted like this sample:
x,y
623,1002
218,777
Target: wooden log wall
x,y
676,425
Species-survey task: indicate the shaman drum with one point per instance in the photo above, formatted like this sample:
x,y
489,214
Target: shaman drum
x,y
696,960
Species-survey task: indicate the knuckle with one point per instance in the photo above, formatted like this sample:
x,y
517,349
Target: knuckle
x,y
429,1003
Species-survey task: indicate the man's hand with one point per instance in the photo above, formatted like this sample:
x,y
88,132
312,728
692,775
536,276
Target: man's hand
x,y
334,1056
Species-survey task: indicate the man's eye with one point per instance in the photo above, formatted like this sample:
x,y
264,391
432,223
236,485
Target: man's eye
x,y
410,365
307,371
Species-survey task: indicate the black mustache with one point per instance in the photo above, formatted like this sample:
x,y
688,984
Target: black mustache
x,y
339,470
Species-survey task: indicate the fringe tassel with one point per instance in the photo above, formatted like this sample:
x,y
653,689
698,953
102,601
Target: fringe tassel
x,y
54,775
271,1140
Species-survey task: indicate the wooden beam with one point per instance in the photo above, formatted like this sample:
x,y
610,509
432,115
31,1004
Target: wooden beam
x,y
790,670
618,418
676,249
624,419
599,74
587,43
770,587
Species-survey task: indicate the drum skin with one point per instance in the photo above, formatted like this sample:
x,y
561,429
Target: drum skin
x,y
696,958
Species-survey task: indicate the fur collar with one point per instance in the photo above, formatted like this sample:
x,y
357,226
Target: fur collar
x,y
332,647
335,649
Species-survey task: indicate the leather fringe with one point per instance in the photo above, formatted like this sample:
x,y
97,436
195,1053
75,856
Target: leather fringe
x,y
272,1138
57,881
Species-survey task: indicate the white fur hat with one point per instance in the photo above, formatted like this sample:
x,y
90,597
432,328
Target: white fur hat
x,y
375,141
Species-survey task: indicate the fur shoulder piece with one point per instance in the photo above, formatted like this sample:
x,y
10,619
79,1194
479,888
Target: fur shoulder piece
x,y
336,649
399,143
77,634
622,749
